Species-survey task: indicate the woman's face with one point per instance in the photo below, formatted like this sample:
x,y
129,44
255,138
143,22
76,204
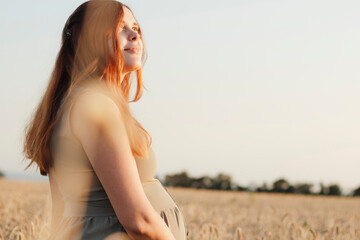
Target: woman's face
x,y
130,42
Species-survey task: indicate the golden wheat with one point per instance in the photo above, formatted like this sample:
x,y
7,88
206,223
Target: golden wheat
x,y
25,209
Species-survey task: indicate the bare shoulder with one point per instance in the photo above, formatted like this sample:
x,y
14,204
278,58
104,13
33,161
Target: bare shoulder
x,y
94,104
92,109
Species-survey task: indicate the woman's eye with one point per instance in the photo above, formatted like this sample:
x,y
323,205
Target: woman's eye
x,y
124,27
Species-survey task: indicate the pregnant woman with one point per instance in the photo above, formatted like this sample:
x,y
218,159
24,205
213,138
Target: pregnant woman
x,y
97,156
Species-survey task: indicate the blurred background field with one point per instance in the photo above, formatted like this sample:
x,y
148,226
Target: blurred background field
x,y
256,89
265,92
209,214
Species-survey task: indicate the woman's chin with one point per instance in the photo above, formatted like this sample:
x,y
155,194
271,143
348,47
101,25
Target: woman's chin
x,y
132,68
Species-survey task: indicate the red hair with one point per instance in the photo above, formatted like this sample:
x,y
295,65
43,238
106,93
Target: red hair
x,y
84,54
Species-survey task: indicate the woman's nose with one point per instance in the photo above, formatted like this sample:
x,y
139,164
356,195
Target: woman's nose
x,y
133,35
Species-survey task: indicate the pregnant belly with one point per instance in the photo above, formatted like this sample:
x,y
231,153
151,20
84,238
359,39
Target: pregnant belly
x,y
158,196
164,204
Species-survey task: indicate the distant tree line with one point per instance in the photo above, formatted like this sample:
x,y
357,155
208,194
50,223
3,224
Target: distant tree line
x,y
224,182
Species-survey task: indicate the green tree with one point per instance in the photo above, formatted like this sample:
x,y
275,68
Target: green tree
x,y
201,182
356,192
334,189
178,180
222,181
280,185
303,188
240,188
290,189
2,174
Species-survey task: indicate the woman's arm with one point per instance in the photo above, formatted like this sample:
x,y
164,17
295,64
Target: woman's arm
x,y
96,121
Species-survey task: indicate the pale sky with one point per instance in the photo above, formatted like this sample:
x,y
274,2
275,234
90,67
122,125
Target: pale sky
x,y
255,89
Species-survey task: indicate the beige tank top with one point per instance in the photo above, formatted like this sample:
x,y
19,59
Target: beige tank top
x,y
72,170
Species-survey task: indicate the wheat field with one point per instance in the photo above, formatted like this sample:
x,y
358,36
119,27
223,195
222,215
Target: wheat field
x,y
209,214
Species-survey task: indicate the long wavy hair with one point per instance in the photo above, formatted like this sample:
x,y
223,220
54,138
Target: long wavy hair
x,y
85,54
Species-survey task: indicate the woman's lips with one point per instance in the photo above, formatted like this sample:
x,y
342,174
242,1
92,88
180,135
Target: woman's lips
x,y
132,50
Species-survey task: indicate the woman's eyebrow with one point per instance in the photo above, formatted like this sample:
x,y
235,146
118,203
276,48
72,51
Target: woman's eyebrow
x,y
134,23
